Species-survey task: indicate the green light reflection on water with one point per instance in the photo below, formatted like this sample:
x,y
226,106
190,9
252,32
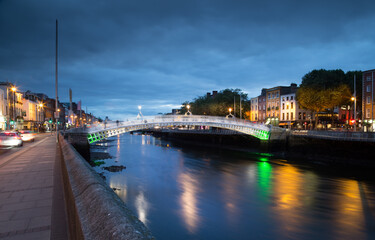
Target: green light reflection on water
x,y
264,178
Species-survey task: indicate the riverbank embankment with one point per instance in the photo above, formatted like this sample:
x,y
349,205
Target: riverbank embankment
x,y
94,210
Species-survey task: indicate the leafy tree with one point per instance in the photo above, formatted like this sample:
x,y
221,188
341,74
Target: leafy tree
x,y
218,105
312,99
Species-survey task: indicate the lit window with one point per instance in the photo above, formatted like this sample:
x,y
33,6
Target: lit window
x,y
291,116
291,105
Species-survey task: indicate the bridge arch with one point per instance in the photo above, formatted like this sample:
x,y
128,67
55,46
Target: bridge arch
x,y
98,133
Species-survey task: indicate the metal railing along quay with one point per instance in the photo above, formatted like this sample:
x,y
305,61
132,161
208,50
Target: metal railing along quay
x,y
337,135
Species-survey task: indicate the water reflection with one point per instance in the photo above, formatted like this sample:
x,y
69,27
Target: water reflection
x,y
203,194
349,216
142,207
189,201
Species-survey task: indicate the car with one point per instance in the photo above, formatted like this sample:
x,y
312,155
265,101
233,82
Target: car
x,y
10,139
27,135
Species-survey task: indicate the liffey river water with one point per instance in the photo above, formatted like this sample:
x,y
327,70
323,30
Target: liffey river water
x,y
192,192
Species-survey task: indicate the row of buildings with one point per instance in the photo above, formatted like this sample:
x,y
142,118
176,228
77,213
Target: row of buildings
x,y
36,111
279,106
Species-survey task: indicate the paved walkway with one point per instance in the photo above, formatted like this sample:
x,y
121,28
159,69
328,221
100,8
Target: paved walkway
x,y
27,181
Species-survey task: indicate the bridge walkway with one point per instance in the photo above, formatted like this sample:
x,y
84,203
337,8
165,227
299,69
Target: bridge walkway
x,y
31,196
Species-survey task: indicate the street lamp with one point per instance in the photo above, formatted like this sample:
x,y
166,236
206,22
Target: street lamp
x,y
14,89
355,112
230,113
140,115
188,110
40,115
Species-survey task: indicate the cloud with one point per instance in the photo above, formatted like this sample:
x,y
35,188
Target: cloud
x,y
119,54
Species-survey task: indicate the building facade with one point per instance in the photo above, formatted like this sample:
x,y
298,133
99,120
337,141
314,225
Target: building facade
x,y
2,110
262,103
254,109
368,98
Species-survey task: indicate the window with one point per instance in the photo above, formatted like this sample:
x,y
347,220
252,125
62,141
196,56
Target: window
x,y
304,116
287,106
283,116
368,88
287,98
273,95
287,116
368,100
283,99
299,115
264,107
291,97
291,116
368,78
291,105
367,113
277,94
269,96
283,106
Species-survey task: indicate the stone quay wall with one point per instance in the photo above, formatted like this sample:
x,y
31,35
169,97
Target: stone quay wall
x,y
94,210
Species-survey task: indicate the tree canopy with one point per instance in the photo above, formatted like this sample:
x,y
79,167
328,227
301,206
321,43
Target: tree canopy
x,y
219,104
323,90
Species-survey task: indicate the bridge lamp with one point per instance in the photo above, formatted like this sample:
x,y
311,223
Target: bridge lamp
x,y
188,110
140,115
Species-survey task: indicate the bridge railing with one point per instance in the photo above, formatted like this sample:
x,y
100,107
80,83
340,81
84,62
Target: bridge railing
x,y
176,119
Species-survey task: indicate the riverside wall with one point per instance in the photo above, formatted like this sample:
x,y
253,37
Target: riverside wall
x,y
94,210
299,148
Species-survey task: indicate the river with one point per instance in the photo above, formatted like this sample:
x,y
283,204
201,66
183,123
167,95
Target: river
x,y
192,192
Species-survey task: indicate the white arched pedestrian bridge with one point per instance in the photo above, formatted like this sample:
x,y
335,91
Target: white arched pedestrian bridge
x,y
102,131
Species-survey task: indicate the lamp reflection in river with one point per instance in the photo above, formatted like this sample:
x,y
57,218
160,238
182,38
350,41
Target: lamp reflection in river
x,y
142,207
294,194
349,217
188,201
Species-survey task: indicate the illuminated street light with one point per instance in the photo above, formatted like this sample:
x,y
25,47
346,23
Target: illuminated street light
x,y
188,110
14,89
355,112
230,115
140,115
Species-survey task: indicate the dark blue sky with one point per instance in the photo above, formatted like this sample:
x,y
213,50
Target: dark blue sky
x,y
116,55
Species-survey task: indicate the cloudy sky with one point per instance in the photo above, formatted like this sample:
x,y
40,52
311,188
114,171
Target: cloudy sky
x,y
118,54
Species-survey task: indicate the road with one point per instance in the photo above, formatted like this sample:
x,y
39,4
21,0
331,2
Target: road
x,y
4,152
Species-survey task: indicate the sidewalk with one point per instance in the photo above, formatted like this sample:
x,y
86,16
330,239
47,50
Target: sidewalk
x,y
27,181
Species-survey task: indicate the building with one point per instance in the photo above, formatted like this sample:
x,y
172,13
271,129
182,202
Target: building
x,y
368,98
273,101
254,109
3,104
13,107
262,103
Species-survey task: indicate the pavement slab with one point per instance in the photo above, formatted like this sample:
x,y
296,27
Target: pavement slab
x,y
27,191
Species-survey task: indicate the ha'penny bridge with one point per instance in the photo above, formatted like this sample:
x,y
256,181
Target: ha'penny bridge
x,y
104,131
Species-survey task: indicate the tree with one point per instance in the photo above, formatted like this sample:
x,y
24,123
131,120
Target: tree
x,y
219,104
312,99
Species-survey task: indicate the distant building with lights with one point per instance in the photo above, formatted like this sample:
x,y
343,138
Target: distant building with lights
x,y
368,98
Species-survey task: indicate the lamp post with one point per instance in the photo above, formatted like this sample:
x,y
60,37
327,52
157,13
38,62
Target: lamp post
x,y
40,108
355,112
188,110
230,113
140,115
14,89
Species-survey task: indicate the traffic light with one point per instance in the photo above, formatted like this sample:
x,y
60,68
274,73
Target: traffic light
x,y
50,120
